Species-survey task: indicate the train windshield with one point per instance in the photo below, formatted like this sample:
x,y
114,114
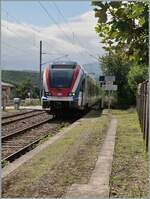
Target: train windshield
x,y
61,78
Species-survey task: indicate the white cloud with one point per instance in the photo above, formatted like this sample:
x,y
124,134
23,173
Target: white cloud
x,y
20,43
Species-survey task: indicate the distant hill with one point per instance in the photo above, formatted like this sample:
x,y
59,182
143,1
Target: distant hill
x,y
16,77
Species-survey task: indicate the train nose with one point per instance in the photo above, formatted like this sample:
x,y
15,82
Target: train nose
x,y
59,94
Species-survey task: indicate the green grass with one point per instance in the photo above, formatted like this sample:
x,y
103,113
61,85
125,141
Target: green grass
x,y
4,163
67,161
129,176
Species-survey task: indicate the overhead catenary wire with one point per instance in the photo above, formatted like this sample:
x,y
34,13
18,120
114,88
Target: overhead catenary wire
x,y
62,15
72,31
41,34
18,22
20,49
53,19
31,28
16,33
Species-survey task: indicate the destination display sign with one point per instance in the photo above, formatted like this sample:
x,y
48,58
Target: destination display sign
x,y
106,78
109,78
109,87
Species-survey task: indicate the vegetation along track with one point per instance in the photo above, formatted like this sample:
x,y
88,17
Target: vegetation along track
x,y
17,142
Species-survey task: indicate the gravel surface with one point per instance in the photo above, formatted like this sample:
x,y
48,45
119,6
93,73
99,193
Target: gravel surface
x,y
17,142
20,116
13,112
18,125
14,144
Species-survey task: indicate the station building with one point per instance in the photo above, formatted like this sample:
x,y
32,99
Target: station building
x,y
6,91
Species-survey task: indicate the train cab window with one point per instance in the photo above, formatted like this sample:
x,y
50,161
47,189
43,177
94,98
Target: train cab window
x,y
61,78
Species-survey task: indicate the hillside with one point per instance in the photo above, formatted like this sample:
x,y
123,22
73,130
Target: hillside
x,y
16,77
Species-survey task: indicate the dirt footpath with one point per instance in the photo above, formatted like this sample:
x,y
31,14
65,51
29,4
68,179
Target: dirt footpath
x,y
67,161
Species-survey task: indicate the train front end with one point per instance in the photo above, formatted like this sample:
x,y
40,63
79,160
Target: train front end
x,y
61,86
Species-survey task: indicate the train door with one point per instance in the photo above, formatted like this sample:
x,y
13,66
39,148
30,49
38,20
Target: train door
x,y
83,93
86,92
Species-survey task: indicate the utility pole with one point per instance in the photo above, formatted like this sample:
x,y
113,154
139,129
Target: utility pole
x,y
40,77
109,100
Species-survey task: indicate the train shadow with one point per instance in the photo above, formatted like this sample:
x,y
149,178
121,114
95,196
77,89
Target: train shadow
x,y
94,112
74,115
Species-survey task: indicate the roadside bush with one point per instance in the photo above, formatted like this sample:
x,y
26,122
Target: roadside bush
x,y
137,74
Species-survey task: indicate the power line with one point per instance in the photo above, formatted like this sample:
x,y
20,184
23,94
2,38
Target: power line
x,y
62,15
16,33
16,20
33,29
59,11
53,19
48,14
20,50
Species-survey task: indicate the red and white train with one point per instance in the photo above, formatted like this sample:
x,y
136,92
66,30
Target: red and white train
x,y
66,85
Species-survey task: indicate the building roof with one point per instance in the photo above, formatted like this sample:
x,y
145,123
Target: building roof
x,y
5,84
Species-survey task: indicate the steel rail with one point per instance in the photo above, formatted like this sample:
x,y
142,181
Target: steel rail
x,y
18,114
6,137
27,116
23,150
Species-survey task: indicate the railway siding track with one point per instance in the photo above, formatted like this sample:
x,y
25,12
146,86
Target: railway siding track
x,y
17,117
22,131
4,138
18,114
20,136
22,124
16,146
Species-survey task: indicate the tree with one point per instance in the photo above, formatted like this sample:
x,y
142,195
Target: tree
x,y
118,66
123,27
137,75
24,88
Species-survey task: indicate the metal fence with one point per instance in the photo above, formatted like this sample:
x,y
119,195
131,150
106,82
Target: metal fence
x,y
143,110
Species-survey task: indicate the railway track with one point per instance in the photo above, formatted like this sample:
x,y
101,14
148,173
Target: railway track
x,y
20,136
17,114
19,142
23,123
17,117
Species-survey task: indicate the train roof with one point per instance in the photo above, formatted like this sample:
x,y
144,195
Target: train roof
x,y
64,63
71,63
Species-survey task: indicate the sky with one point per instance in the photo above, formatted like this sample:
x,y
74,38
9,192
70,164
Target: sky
x,y
66,28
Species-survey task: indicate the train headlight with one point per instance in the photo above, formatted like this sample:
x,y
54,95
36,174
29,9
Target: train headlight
x,y
48,94
72,94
